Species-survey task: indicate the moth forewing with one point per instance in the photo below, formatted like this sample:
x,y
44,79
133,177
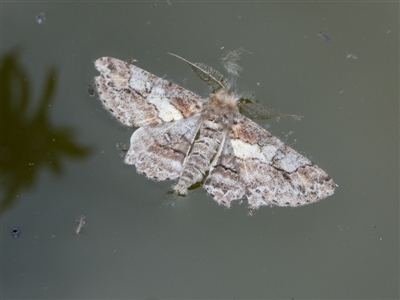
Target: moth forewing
x,y
138,98
273,173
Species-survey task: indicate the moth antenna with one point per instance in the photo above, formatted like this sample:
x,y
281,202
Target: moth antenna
x,y
206,73
260,111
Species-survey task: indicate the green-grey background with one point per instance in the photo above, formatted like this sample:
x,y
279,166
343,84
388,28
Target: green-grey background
x,y
59,145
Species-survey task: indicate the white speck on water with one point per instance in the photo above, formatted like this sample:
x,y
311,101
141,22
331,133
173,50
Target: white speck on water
x,y
40,18
353,56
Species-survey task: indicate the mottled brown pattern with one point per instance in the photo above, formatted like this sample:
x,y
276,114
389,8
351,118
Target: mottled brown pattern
x,y
134,94
242,129
224,183
160,158
288,179
199,159
182,104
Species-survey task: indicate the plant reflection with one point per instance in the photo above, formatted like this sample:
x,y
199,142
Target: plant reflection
x,y
28,142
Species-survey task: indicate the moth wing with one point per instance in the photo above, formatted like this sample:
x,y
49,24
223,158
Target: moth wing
x,y
273,173
159,150
138,98
224,183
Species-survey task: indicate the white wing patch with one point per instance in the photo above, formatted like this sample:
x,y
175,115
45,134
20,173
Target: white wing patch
x,y
194,140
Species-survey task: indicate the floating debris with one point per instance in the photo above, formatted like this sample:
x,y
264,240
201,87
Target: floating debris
x,y
90,89
353,56
324,36
122,148
40,18
15,231
81,222
132,60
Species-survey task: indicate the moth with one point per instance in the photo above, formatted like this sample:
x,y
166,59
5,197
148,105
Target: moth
x,y
183,137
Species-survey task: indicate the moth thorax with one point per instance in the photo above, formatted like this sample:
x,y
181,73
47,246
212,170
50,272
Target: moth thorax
x,y
222,102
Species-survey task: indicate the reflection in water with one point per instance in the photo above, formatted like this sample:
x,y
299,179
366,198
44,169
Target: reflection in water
x,y
28,142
